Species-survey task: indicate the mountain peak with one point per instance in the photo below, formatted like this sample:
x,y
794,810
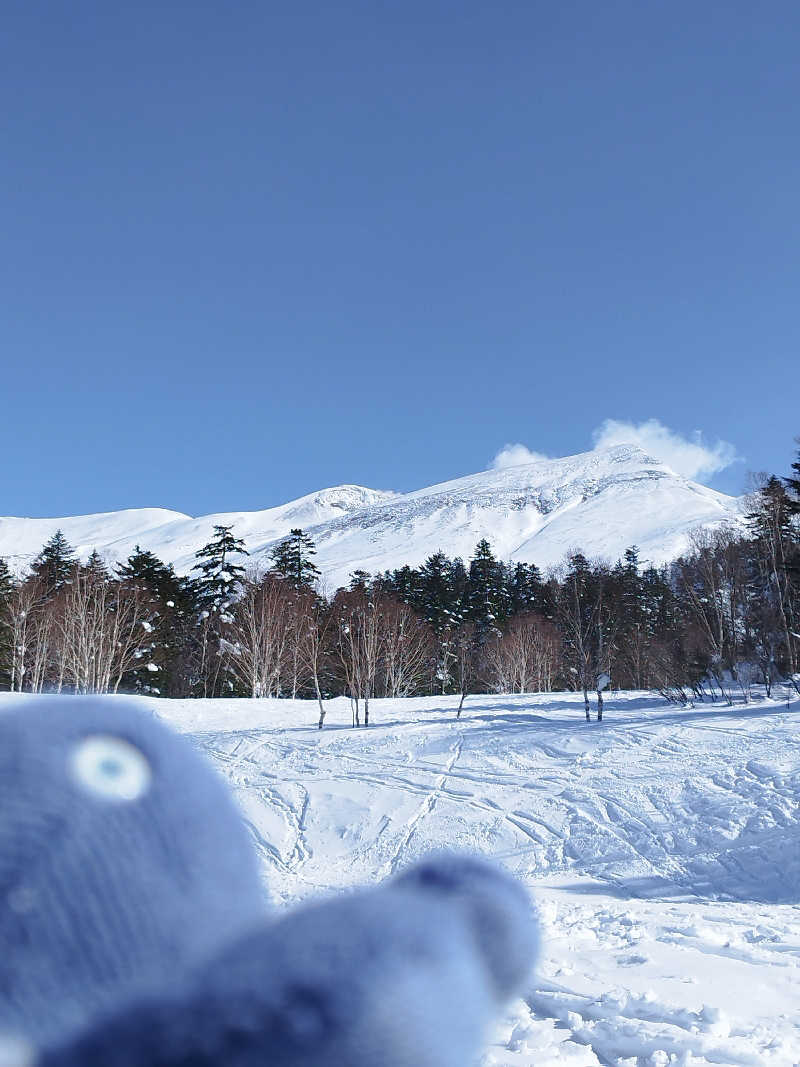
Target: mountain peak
x,y
601,502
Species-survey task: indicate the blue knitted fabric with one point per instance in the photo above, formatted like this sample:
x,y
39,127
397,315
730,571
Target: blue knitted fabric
x,y
407,975
123,861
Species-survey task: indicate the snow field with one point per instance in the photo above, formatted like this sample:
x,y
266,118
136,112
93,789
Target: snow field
x,y
661,848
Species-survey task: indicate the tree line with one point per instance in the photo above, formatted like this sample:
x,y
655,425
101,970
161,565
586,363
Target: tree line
x,y
715,622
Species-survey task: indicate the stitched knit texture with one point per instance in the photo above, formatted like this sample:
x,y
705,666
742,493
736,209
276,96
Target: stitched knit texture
x,y
406,975
123,861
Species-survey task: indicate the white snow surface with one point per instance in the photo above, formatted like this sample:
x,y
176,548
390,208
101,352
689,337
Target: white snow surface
x,y
601,502
661,848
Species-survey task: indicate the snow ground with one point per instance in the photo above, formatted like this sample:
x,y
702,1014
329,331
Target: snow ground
x,y
662,849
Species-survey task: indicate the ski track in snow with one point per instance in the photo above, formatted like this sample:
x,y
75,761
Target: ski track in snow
x,y
662,849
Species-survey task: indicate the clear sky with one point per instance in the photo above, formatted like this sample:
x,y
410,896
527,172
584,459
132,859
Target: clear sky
x,y
250,250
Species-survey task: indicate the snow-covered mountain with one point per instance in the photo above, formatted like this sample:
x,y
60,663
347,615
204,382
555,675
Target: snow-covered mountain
x,y
600,502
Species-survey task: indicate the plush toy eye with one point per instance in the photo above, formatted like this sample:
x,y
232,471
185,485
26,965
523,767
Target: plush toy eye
x,y
111,767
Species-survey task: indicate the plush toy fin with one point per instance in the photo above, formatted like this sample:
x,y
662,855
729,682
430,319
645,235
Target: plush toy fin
x,y
410,974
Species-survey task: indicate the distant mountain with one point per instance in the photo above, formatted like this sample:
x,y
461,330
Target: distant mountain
x,y
600,502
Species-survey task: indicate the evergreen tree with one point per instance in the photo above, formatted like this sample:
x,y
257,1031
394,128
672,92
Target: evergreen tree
x,y
403,585
441,600
7,587
169,609
53,566
793,484
95,567
292,558
777,552
525,589
360,581
488,598
435,599
459,591
585,627
625,596
219,578
146,570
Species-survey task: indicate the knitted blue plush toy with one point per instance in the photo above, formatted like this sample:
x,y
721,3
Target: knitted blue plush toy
x,y
130,907
123,860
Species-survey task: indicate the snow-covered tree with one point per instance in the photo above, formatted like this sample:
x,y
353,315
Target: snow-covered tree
x,y
54,564
219,580
168,614
488,596
293,559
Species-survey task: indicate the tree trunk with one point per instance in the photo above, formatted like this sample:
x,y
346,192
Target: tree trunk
x,y
599,705
321,705
586,705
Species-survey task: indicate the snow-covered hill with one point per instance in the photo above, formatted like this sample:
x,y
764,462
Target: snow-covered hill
x,y
661,849
601,502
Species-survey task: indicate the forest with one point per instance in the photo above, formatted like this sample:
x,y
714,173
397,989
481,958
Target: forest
x,y
714,623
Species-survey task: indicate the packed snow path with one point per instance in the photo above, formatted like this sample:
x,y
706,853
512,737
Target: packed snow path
x,y
662,848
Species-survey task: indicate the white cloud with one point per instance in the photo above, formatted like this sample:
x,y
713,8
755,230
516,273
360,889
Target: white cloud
x,y
690,456
515,456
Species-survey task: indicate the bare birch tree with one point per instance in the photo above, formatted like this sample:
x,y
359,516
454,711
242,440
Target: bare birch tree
x,y
262,627
99,633
407,650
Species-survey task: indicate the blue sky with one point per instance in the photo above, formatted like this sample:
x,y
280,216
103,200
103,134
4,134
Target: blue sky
x,y
254,249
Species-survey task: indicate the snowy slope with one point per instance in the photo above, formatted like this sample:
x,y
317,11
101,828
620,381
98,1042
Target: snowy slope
x,y
175,537
661,848
601,502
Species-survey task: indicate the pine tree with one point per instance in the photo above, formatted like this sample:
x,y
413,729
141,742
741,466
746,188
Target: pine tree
x,y
580,605
793,562
441,599
95,567
360,581
775,542
435,598
525,589
488,599
169,609
54,564
7,586
459,591
792,483
292,558
219,578
146,569
403,585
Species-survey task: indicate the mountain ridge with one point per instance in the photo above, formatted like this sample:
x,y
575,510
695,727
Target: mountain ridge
x,y
600,502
